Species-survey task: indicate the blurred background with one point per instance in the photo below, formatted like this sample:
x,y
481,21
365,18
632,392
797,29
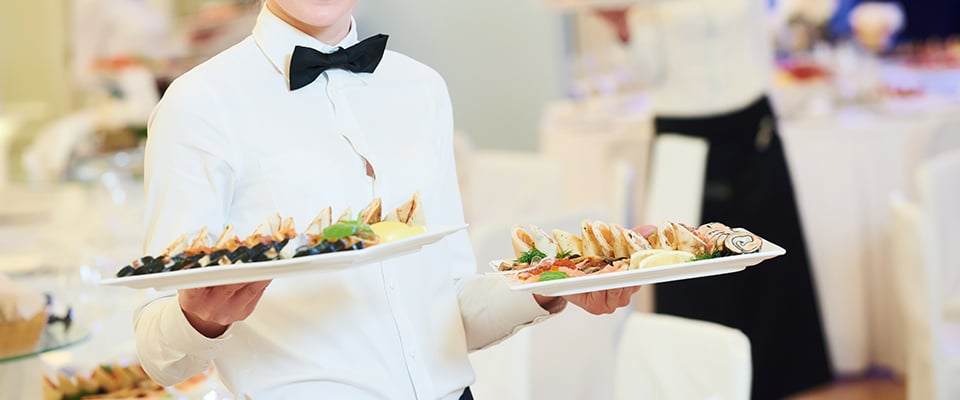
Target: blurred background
x,y
589,98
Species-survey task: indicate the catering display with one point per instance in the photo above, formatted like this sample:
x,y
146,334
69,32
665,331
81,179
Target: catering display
x,y
607,256
113,382
275,248
23,317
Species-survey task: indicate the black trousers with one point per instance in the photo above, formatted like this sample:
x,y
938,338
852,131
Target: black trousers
x,y
775,303
466,394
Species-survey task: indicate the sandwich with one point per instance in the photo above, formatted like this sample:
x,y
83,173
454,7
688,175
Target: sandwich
x,y
371,213
521,240
568,244
410,212
543,241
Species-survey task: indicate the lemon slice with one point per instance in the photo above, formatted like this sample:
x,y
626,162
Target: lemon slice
x,y
664,257
389,231
641,255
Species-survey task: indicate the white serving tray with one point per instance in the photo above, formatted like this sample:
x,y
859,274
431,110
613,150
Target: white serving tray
x,y
258,271
647,276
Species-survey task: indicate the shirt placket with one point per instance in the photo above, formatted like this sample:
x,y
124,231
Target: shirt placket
x,y
348,127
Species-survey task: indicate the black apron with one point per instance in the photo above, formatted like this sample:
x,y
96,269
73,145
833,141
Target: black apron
x,y
774,303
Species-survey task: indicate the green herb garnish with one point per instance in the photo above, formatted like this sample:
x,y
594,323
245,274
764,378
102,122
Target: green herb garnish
x,y
564,254
345,228
552,276
108,369
707,256
530,255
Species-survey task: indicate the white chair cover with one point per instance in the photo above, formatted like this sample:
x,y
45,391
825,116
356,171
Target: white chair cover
x,y
677,171
939,190
670,358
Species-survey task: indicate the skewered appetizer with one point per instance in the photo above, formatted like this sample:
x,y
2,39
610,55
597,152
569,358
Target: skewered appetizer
x,y
278,239
603,248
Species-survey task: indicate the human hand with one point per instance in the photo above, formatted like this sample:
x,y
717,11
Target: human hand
x,y
617,18
599,302
211,310
603,301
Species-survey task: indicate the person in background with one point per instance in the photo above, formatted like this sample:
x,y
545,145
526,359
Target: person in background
x,y
714,61
298,116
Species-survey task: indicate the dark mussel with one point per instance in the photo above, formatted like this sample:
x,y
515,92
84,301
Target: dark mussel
x,y
155,265
258,252
125,271
182,261
241,254
217,256
326,246
307,250
357,246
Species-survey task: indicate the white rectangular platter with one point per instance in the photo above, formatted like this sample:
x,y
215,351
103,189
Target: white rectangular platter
x,y
666,273
258,271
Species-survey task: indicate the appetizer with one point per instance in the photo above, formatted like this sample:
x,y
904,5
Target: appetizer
x,y
111,382
278,239
603,248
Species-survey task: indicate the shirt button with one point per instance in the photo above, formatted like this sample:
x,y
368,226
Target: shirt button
x,y
392,285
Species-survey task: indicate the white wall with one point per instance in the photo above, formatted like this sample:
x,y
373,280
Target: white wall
x,y
502,59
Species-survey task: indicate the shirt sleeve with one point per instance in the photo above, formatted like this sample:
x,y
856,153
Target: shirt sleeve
x,y
168,347
491,312
189,184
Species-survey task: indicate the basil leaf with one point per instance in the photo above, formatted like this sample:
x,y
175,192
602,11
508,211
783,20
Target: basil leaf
x,y
339,230
530,255
552,276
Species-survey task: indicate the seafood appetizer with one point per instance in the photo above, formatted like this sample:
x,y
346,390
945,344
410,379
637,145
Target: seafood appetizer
x,y
112,382
277,239
603,248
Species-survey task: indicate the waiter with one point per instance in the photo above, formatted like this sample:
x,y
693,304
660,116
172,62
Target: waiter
x,y
275,124
714,63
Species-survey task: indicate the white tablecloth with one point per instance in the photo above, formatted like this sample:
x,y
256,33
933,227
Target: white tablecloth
x,y
845,168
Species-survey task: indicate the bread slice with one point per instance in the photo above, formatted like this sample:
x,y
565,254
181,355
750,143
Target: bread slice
x,y
372,212
521,240
543,241
604,239
319,223
410,212
567,243
590,246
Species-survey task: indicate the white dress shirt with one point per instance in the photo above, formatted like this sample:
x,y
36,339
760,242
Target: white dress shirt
x,y
229,143
709,56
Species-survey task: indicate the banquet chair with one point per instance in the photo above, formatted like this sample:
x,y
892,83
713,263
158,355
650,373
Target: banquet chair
x,y
935,339
677,171
500,184
671,358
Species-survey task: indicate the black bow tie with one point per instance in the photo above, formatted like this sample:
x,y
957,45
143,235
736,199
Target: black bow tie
x,y
307,64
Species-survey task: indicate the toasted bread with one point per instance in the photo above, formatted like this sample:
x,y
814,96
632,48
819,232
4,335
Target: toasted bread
x,y
346,215
679,237
568,243
319,223
590,246
372,212
543,241
521,240
410,212
603,237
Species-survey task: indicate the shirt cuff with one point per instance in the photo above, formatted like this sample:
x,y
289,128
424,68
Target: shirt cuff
x,y
180,335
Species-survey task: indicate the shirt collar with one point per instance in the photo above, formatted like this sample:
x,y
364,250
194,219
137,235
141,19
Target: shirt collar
x,y
276,39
